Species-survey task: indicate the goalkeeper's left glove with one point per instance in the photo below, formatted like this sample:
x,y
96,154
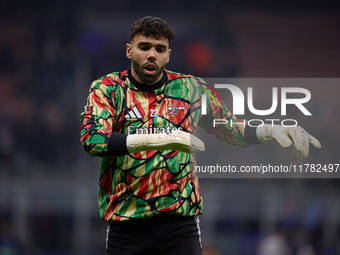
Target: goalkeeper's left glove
x,y
286,136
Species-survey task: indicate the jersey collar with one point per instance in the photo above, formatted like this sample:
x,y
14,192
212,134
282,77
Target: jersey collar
x,y
148,88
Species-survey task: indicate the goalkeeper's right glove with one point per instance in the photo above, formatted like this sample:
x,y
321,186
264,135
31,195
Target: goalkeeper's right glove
x,y
176,140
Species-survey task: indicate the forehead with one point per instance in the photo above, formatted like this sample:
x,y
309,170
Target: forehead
x,y
139,38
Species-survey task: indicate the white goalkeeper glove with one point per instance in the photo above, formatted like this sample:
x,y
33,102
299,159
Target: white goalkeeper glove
x,y
286,136
176,140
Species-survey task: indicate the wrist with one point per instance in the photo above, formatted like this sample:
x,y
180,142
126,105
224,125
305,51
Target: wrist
x,y
136,143
264,133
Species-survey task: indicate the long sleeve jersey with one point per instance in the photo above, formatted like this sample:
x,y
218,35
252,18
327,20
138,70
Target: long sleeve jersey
x,y
149,183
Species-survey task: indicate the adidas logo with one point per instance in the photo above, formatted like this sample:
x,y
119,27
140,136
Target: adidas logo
x,y
133,114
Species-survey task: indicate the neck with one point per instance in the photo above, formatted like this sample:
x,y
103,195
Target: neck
x,y
148,87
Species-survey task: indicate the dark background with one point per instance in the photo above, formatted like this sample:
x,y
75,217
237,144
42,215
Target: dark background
x,y
50,51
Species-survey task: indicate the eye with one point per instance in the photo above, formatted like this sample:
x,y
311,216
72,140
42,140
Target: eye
x,y
161,49
144,47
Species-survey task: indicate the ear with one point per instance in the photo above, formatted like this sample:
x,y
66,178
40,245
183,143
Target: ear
x,y
169,53
128,50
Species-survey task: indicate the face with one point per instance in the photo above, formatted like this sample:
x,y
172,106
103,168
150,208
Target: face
x,y
149,57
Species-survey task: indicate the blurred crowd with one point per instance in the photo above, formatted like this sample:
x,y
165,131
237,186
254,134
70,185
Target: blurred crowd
x,y
51,51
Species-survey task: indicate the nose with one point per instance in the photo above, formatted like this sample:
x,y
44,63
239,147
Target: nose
x,y
152,54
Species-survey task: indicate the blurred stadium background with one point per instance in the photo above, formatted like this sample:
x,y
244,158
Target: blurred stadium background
x,y
52,50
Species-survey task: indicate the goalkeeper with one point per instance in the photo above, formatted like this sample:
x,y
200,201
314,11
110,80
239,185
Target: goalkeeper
x,y
141,123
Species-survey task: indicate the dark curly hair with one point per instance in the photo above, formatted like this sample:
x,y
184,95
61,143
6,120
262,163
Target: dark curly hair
x,y
153,27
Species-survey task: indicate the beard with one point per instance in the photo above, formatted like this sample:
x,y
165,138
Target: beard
x,y
147,78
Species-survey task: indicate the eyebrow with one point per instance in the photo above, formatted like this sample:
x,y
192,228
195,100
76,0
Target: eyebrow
x,y
157,45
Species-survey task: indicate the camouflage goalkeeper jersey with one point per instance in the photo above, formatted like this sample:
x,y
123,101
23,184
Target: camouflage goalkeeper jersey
x,y
149,183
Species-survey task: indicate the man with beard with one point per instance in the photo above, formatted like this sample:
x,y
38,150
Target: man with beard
x,y
141,123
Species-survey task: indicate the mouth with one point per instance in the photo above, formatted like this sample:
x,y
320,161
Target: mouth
x,y
150,69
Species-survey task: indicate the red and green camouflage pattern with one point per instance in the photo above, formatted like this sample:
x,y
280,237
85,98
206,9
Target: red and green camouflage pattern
x,y
149,183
